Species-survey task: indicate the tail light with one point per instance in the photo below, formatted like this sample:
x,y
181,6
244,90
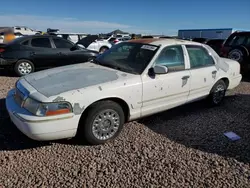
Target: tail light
x,y
115,41
2,50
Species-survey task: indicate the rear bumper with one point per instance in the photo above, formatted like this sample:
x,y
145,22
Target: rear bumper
x,y
235,81
7,62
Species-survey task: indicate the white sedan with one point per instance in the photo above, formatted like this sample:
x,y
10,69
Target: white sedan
x,y
132,80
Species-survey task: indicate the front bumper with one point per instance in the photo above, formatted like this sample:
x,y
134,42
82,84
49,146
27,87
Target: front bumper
x,y
41,128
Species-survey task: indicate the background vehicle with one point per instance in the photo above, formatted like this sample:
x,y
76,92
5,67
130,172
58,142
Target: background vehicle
x,y
120,39
91,42
216,44
23,30
25,54
73,37
237,47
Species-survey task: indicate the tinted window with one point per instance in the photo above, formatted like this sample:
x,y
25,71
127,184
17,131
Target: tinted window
x,y
237,40
41,42
199,57
172,57
62,43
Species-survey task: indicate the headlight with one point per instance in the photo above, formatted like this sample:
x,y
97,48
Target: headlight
x,y
47,109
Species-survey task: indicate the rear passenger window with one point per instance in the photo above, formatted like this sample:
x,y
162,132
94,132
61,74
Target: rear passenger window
x,y
199,57
172,57
41,42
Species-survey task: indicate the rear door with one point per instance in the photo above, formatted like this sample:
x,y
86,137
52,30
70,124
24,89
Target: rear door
x,y
203,71
43,54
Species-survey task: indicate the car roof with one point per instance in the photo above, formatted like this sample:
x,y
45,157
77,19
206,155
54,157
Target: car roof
x,y
163,41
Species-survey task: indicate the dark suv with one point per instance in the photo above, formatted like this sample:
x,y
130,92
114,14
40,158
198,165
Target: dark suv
x,y
237,47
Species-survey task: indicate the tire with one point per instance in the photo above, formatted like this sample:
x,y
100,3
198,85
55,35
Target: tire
x,y
105,133
28,67
239,54
103,49
217,93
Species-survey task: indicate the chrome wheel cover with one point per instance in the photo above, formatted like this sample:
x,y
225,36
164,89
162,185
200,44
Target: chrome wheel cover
x,y
24,68
106,124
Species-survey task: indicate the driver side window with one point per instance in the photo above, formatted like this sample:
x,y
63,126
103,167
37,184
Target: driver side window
x,y
172,57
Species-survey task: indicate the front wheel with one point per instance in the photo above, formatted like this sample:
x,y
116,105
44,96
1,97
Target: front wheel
x,y
23,67
217,93
104,121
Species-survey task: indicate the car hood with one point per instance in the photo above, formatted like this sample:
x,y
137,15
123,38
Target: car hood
x,y
53,82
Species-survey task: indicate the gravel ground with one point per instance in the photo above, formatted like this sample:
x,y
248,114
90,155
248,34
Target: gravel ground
x,y
183,147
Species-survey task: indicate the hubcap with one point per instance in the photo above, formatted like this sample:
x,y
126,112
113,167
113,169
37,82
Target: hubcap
x,y
106,124
218,94
24,68
236,55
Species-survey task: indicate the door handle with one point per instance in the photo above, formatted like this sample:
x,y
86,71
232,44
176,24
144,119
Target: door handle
x,y
185,77
214,72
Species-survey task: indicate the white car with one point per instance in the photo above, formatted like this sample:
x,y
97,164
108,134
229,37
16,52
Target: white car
x,y
24,30
91,42
131,80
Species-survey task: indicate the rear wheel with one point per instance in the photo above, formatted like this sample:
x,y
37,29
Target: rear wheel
x,y
102,122
240,54
23,67
217,93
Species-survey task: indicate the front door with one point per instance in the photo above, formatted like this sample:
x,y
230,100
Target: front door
x,y
165,91
203,72
64,54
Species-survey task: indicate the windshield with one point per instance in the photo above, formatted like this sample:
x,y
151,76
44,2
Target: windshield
x,y
128,57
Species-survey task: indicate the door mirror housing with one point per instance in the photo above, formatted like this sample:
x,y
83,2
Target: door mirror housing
x,y
160,69
157,69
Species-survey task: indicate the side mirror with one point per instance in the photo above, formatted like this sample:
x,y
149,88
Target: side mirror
x,y
160,69
157,69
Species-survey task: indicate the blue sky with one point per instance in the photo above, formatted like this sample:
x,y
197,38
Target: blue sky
x,y
140,16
